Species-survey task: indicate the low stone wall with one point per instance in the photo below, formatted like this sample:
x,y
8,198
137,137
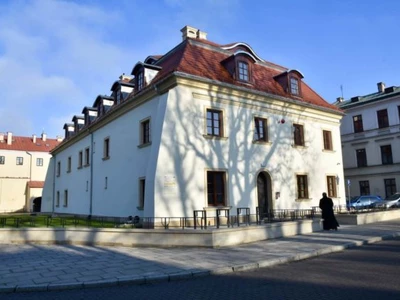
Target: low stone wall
x,y
158,237
368,217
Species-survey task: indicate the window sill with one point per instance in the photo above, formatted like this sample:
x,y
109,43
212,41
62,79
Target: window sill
x,y
214,208
106,158
144,145
328,150
303,199
299,146
87,165
214,137
69,171
80,167
139,207
58,175
261,142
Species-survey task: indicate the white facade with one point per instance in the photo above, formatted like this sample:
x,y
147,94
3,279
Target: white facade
x,y
174,164
368,167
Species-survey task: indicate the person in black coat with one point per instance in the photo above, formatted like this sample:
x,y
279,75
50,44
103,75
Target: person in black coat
x,y
329,220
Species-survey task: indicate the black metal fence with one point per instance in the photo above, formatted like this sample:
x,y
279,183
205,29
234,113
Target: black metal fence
x,y
202,219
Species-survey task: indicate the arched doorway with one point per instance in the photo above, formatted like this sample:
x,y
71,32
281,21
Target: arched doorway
x,y
37,204
264,194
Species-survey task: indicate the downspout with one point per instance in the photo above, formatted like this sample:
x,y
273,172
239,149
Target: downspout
x,y
91,174
30,178
54,184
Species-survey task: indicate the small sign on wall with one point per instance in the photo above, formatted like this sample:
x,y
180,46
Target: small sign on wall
x,y
169,181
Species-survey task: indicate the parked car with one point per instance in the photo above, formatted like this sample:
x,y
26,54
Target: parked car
x,y
391,201
365,201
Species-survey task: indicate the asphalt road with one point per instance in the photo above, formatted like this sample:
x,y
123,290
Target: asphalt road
x,y
367,272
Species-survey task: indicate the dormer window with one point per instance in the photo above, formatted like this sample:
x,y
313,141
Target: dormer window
x,y
294,86
140,81
243,71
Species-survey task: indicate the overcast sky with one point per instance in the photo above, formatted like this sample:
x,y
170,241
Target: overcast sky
x,y
56,56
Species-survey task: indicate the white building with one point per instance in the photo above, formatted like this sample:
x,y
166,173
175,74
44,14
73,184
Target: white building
x,y
23,167
204,126
371,142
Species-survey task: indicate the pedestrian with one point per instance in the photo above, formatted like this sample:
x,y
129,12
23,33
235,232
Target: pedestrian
x,y
329,220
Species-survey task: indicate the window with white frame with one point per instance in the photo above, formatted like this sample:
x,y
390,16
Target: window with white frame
x,y
106,148
39,162
2,160
20,161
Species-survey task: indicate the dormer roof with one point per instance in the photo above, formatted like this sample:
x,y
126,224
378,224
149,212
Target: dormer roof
x,y
101,98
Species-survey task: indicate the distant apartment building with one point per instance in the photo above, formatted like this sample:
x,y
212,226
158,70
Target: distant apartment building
x,y
370,133
23,166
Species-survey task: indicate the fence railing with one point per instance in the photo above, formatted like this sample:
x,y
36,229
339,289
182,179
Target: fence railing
x,y
202,219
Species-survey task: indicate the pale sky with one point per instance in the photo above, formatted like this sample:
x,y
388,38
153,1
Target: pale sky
x,y
56,56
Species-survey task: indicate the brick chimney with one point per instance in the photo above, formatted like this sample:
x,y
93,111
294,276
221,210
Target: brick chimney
x,y
34,138
44,137
9,138
381,87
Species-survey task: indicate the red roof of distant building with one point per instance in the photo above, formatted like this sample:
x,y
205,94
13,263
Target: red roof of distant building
x,y
35,184
21,143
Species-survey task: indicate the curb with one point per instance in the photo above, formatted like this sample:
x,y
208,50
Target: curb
x,y
190,274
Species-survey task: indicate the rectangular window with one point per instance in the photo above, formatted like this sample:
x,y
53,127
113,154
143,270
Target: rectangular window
x,y
364,187
20,161
298,135
106,148
65,198
216,182
2,160
58,199
69,164
142,188
87,185
214,122
358,124
331,184
398,108
302,187
39,162
80,159
87,157
361,158
105,182
390,187
58,169
261,129
327,140
383,120
243,68
140,81
386,153
145,132
294,86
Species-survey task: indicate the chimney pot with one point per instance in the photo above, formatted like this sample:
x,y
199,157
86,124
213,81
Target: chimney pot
x,y
9,138
381,87
189,32
1,137
44,137
34,138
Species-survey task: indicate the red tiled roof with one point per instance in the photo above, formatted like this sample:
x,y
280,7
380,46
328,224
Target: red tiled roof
x,y
35,184
203,58
21,143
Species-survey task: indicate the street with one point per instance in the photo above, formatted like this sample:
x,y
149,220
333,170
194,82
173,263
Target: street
x,y
367,272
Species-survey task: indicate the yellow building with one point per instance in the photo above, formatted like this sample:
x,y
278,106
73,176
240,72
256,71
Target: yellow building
x,y
23,167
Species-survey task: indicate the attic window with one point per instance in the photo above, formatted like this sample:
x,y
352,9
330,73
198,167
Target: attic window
x,y
243,71
140,81
294,86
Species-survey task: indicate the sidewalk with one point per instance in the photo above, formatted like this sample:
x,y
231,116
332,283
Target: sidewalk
x,y
33,267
